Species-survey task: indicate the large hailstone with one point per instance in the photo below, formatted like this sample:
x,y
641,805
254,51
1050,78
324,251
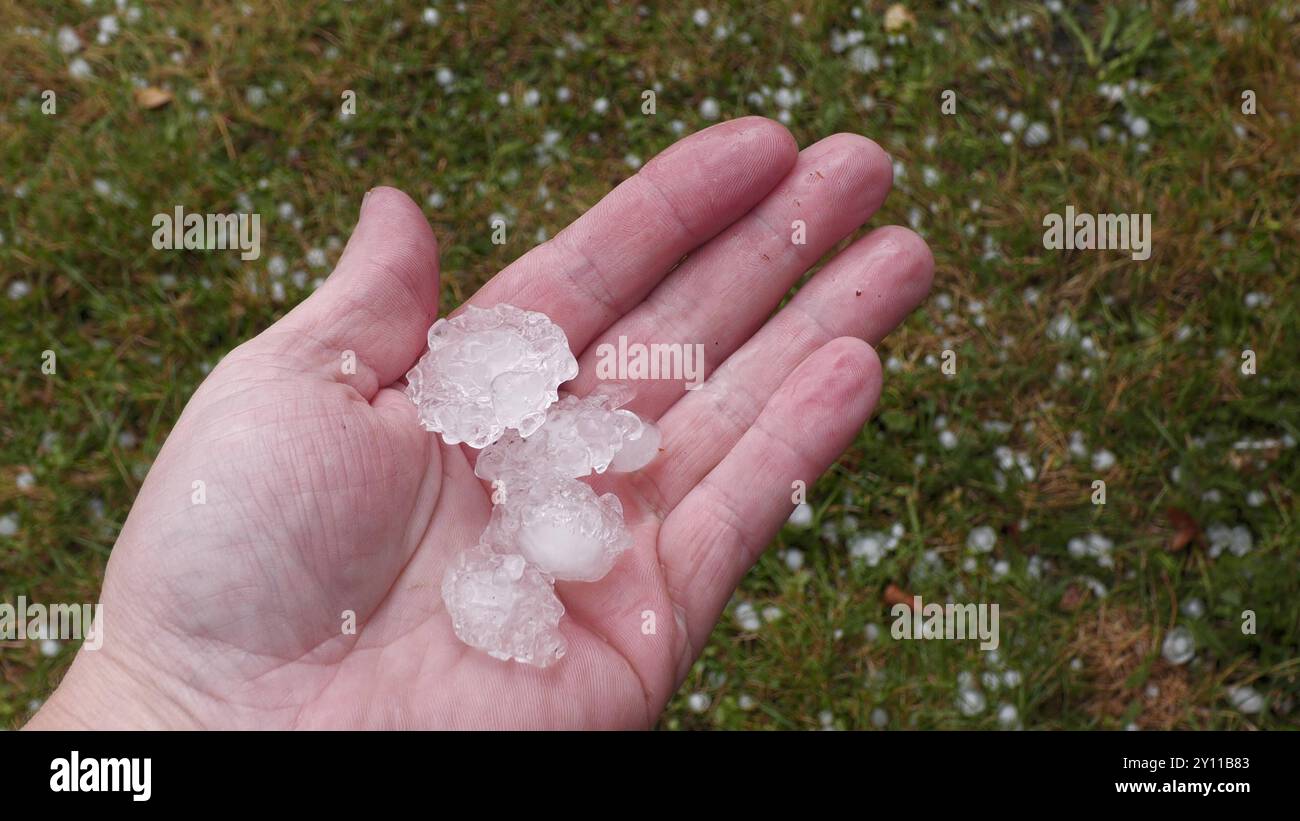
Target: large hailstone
x,y
561,527
503,606
579,436
489,370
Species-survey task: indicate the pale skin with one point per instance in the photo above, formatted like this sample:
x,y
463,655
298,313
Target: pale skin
x,y
324,495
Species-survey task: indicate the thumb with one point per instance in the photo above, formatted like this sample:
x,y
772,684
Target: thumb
x,y
383,294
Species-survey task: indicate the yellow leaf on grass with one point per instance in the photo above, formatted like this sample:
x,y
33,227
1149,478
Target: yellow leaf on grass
x,y
152,97
897,17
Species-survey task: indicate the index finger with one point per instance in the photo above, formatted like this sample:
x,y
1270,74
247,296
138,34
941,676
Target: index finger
x,y
605,262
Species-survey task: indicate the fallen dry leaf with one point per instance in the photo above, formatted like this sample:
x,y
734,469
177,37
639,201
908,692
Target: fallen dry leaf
x,y
897,17
1186,529
152,97
1071,598
895,595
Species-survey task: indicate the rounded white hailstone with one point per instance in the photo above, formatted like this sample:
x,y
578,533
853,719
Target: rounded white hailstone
x,y
1139,127
1193,608
970,702
1240,540
79,69
1179,646
1008,715
430,17
1245,699
1011,678
794,559
948,439
826,718
49,648
600,106
864,60
701,17
869,546
69,42
1037,134
982,539
801,516
746,702
709,109
872,632
697,702
1103,460
879,718
746,617
108,27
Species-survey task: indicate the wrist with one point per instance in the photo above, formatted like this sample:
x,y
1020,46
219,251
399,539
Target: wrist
x,y
100,692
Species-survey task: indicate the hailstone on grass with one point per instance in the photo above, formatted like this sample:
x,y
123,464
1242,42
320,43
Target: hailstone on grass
x,y
491,379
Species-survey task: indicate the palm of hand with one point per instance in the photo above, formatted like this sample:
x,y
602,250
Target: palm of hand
x,y
304,589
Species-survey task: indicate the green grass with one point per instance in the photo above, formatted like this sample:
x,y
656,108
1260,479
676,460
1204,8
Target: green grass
x,y
135,330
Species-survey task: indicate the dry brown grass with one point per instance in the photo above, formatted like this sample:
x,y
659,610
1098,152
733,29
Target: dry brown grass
x,y
1115,646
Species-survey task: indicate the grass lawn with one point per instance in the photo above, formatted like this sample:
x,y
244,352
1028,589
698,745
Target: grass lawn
x,y
1071,366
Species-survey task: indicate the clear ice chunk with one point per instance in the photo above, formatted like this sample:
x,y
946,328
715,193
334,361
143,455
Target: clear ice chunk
x,y
580,436
488,370
637,451
561,527
500,604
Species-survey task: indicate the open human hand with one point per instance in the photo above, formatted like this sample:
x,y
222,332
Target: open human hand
x,y
322,495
